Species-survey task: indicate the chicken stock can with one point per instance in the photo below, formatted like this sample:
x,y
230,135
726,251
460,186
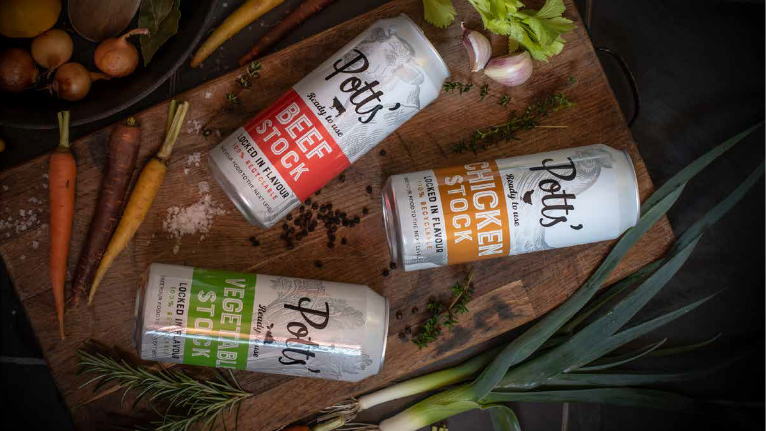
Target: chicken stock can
x,y
328,120
509,206
263,323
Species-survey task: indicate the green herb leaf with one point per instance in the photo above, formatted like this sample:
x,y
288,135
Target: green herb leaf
x,y
440,13
161,18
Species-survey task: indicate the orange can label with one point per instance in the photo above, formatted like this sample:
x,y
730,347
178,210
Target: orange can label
x,y
474,210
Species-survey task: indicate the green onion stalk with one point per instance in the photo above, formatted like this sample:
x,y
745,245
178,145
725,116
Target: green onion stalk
x,y
563,357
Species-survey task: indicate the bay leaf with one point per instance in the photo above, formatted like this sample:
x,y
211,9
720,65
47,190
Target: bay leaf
x,y
153,12
165,29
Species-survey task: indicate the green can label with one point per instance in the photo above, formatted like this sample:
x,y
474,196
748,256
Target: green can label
x,y
218,324
263,323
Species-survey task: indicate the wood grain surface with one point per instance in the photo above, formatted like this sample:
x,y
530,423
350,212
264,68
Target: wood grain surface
x,y
509,291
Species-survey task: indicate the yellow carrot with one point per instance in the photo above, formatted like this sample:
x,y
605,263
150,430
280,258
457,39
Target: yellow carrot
x,y
239,19
142,196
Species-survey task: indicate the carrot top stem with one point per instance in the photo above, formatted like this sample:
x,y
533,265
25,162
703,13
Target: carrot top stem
x,y
171,114
173,131
64,129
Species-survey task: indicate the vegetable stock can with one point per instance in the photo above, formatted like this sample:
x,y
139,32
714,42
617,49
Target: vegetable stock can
x,y
264,323
509,206
328,120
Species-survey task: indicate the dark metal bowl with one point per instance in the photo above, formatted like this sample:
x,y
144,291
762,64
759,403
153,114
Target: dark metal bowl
x,y
36,108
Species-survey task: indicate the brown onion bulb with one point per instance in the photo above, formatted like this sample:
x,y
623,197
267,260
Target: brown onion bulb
x,y
17,70
117,57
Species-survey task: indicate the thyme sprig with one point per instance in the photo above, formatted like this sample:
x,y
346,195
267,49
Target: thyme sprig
x,y
456,85
443,315
201,401
481,139
484,91
253,71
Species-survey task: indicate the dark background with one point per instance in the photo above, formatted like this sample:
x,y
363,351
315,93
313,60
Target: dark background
x,y
700,69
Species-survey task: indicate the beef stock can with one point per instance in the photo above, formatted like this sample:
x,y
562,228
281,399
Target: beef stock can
x,y
255,322
509,206
328,120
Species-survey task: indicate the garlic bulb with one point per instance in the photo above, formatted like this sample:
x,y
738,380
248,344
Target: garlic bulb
x,y
510,70
478,47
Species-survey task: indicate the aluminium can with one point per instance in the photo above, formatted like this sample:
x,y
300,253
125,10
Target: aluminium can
x,y
509,206
328,120
264,323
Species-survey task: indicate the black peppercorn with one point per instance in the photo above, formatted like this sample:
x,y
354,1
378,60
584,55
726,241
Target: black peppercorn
x,y
256,243
331,236
302,208
402,335
356,219
318,263
314,206
307,201
386,272
365,211
392,265
343,241
323,209
342,177
399,315
407,330
330,245
289,217
414,310
319,192
382,152
345,222
369,189
311,228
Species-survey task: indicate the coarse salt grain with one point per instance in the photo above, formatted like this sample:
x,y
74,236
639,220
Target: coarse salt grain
x,y
35,244
191,220
204,187
5,188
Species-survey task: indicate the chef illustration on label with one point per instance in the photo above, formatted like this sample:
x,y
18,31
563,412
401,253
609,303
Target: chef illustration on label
x,y
394,80
300,320
547,195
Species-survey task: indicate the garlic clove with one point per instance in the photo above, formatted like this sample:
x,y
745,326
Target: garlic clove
x,y
510,70
478,47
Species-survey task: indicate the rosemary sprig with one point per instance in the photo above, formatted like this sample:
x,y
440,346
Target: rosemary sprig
x,y
455,85
442,315
202,401
484,91
481,139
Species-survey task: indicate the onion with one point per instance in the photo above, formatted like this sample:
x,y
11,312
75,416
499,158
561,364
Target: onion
x,y
52,48
116,57
17,70
72,81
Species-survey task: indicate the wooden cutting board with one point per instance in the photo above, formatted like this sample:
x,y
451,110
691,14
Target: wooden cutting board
x,y
509,291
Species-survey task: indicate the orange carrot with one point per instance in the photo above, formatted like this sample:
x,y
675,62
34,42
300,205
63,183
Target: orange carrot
x,y
290,23
121,161
142,196
62,171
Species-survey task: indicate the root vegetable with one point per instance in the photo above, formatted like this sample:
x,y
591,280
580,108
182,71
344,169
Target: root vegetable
x,y
117,57
121,161
17,70
292,21
62,172
52,49
142,196
243,16
72,81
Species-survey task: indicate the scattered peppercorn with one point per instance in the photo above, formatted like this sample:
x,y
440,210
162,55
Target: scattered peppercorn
x,y
399,315
369,189
403,336
392,265
343,241
330,245
407,330
302,208
386,272
342,177
414,310
307,201
318,263
356,219
365,211
289,217
382,152
314,206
